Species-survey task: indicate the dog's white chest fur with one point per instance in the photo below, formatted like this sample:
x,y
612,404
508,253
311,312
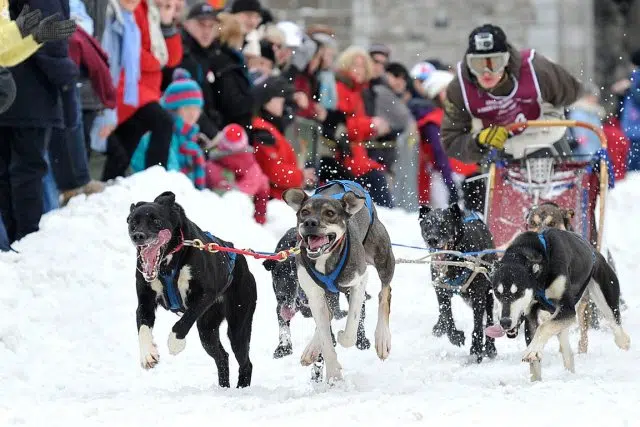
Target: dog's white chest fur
x,y
182,283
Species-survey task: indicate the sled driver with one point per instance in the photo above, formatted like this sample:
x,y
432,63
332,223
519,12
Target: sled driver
x,y
497,85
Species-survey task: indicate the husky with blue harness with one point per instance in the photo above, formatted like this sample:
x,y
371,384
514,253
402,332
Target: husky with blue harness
x,y
451,229
203,288
340,235
548,272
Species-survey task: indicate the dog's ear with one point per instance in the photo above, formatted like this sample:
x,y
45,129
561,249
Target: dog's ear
x,y
424,210
456,212
567,215
167,198
295,197
352,203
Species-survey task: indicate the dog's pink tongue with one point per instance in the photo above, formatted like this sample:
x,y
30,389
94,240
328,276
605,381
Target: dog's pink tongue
x,y
494,331
149,254
287,312
316,242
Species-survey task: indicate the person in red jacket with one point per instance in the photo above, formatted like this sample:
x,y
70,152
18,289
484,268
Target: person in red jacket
x,y
354,69
274,153
160,46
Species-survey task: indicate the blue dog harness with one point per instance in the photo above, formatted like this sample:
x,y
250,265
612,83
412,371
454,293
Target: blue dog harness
x,y
328,281
170,290
461,279
349,186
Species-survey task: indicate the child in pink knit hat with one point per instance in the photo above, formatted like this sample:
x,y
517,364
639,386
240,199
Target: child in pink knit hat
x,y
231,152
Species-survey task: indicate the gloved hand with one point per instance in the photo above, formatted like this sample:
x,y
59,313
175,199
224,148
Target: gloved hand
x,y
51,29
28,20
493,137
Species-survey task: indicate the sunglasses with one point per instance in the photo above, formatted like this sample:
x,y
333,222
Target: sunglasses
x,y
492,63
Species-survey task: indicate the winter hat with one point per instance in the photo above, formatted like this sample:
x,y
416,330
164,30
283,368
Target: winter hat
x,y
182,92
271,88
202,11
246,6
487,38
379,48
292,33
266,50
421,71
233,138
436,82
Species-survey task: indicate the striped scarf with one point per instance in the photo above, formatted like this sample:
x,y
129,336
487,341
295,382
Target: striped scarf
x,y
190,156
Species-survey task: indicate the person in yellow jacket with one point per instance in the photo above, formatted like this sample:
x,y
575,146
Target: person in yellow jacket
x,y
21,38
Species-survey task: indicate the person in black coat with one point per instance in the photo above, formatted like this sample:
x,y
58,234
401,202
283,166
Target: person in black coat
x,y
231,84
42,81
200,30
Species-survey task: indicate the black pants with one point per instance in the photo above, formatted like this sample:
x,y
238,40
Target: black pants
x,y
124,140
22,167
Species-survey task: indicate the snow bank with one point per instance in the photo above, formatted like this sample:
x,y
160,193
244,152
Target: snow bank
x,y
69,350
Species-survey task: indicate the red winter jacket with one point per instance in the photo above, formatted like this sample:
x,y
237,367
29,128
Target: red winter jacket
x,y
150,69
618,146
85,50
359,125
276,157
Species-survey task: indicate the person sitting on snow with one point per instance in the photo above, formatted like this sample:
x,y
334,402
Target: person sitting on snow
x,y
230,151
498,85
183,99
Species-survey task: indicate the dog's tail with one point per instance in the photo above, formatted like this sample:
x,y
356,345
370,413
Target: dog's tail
x,y
270,264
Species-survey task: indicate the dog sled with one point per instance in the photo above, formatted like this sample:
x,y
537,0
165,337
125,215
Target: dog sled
x,y
514,187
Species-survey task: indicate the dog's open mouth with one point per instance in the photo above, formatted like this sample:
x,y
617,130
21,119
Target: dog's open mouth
x,y
318,244
151,253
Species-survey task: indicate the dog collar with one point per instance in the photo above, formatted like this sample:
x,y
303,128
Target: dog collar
x,y
178,247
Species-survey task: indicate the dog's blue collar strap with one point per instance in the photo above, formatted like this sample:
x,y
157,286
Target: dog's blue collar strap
x,y
456,283
541,297
471,216
172,294
328,281
349,186
543,241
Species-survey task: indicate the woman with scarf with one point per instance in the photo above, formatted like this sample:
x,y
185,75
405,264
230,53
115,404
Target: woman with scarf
x,y
140,39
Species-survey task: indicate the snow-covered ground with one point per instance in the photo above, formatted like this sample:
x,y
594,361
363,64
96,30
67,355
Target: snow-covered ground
x,y
69,350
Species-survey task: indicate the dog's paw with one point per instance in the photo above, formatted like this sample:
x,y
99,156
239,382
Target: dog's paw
x,y
490,350
282,351
334,372
456,337
622,340
440,328
149,357
363,343
346,340
311,352
531,356
175,345
383,342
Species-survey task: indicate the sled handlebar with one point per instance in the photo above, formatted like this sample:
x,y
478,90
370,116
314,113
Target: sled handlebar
x,y
557,123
